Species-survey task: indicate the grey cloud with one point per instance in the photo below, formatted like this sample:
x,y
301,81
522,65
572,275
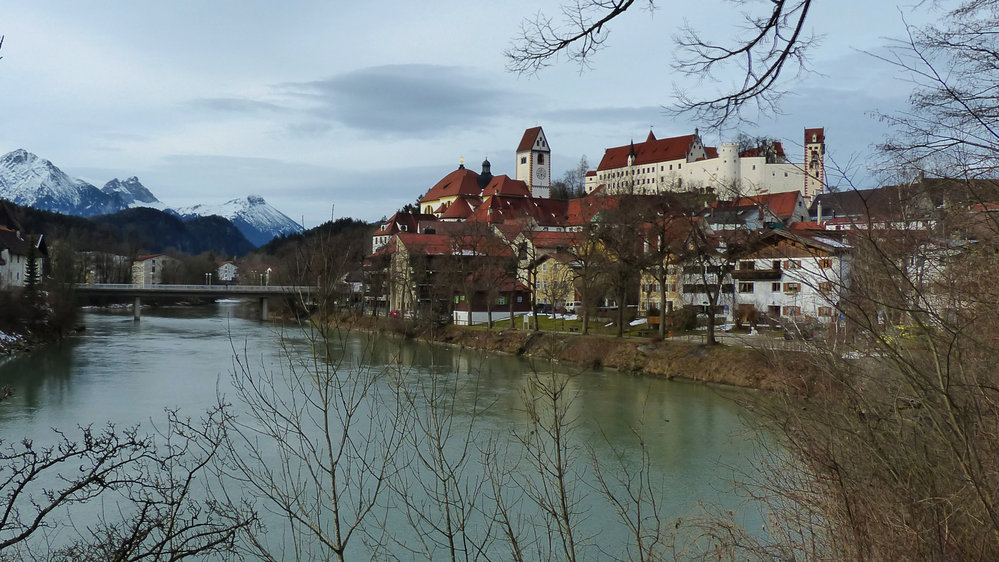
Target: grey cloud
x,y
408,100
237,105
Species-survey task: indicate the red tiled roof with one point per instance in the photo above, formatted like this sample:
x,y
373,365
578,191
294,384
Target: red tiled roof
x,y
459,182
443,244
499,209
460,209
411,222
147,257
782,204
504,185
653,150
819,131
527,141
554,239
581,211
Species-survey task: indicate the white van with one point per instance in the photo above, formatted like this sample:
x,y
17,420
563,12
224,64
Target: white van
x,y
572,306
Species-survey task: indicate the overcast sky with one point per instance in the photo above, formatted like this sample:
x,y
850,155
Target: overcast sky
x,y
357,108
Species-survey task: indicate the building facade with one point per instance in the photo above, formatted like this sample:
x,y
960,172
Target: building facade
x,y
685,164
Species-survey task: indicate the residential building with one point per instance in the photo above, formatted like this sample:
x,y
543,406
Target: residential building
x,y
780,274
148,270
227,272
15,253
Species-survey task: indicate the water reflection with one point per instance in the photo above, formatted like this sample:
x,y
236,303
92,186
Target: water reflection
x,y
128,372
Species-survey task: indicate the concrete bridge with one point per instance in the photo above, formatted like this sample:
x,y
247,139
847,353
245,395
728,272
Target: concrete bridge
x,y
263,292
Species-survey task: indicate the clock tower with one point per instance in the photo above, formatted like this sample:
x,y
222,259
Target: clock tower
x,y
815,163
534,165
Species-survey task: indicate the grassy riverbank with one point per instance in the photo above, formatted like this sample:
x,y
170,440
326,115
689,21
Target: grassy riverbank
x,y
732,365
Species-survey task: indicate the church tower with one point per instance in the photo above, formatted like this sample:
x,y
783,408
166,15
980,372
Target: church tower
x,y
815,163
534,165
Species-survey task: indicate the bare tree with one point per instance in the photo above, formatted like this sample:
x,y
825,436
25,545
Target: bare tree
x,y
554,483
155,490
442,491
617,232
773,40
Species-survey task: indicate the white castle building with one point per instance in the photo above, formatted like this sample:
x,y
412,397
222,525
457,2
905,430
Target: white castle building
x,y
684,164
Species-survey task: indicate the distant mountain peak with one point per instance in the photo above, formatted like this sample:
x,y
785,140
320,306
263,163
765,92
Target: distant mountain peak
x,y
30,181
254,217
130,191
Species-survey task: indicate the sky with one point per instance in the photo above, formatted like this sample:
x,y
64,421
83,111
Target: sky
x,y
330,109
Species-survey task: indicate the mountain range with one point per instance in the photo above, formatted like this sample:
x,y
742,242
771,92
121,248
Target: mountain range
x,y
27,180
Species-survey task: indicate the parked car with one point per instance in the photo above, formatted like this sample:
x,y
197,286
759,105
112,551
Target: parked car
x,y
395,314
573,306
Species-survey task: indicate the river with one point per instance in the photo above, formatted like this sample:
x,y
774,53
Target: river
x,y
128,372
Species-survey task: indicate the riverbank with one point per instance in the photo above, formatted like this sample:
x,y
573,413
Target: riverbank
x,y
731,365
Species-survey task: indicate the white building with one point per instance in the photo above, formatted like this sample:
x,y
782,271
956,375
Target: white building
x,y
14,253
786,275
148,270
684,164
227,272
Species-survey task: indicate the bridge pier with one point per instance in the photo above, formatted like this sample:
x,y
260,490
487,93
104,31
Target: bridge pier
x,y
263,309
136,308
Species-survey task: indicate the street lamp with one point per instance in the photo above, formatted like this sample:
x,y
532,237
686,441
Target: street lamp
x,y
208,278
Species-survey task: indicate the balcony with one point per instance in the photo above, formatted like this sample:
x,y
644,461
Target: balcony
x,y
756,274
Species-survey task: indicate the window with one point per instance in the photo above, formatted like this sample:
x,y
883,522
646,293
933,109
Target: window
x,y
775,287
501,300
825,263
745,287
792,287
792,311
523,159
747,265
775,265
825,311
792,264
520,298
541,158
825,287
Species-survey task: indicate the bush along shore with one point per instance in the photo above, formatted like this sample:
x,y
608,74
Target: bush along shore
x,y
31,318
730,365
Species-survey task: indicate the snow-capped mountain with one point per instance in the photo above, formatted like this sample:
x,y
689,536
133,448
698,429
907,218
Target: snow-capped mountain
x,y
131,193
31,181
26,179
253,216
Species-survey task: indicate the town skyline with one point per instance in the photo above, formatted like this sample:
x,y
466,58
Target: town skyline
x,y
324,117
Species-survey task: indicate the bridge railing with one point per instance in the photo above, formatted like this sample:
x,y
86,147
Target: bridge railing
x,y
160,287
